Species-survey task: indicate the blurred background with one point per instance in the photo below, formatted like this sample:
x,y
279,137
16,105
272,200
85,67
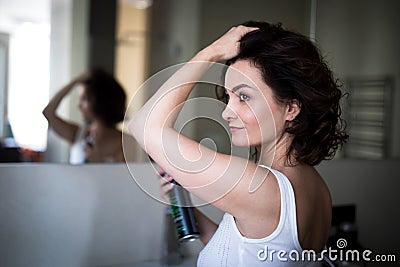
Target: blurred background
x,y
44,43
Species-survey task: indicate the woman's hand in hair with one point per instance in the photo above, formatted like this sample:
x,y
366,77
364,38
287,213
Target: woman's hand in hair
x,y
227,46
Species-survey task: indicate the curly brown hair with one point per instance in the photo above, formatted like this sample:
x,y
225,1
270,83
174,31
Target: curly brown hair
x,y
295,70
108,96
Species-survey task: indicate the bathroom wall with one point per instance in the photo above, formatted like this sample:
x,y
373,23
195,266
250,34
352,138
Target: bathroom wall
x,y
360,39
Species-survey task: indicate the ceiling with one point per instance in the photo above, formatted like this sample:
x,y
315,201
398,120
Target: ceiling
x,y
15,12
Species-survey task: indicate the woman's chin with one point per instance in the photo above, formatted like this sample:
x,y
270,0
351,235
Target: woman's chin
x,y
240,143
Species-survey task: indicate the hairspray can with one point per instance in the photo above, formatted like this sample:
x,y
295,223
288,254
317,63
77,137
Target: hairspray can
x,y
182,213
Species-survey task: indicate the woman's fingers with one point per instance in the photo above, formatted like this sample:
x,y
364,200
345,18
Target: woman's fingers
x,y
167,187
164,177
165,184
83,76
227,46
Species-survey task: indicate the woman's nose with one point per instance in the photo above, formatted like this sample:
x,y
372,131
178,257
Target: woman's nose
x,y
229,114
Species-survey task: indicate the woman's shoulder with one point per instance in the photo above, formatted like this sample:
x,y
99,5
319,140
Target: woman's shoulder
x,y
305,178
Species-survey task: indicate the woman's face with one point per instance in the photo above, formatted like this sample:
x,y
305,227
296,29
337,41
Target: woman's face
x,y
255,117
85,104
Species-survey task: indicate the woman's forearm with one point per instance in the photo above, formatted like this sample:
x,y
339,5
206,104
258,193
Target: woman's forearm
x,y
63,128
50,110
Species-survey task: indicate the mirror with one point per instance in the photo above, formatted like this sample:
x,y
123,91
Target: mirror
x,y
359,40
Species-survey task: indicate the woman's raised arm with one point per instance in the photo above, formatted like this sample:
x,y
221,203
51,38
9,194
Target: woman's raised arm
x,y
214,177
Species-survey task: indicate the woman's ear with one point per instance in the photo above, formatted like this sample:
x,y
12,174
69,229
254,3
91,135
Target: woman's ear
x,y
293,108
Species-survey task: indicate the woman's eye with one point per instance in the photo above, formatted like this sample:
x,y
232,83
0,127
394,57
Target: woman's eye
x,y
243,97
226,97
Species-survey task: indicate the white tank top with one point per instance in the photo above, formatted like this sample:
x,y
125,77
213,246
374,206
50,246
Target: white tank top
x,y
77,153
228,247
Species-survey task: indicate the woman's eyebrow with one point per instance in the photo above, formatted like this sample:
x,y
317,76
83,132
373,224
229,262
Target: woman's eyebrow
x,y
237,87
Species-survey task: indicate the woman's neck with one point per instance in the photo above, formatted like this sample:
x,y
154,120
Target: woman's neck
x,y
275,154
101,129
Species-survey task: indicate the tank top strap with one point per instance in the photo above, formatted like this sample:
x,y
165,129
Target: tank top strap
x,y
288,204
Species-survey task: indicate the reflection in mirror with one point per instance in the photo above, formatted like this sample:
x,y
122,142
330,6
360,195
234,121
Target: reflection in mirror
x,y
27,136
102,104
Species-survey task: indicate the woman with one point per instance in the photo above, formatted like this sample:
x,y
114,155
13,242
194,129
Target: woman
x,y
102,105
282,100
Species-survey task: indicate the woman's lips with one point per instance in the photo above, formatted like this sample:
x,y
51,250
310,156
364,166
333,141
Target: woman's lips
x,y
235,129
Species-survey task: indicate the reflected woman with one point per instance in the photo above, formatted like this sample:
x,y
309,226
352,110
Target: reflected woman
x,y
102,103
